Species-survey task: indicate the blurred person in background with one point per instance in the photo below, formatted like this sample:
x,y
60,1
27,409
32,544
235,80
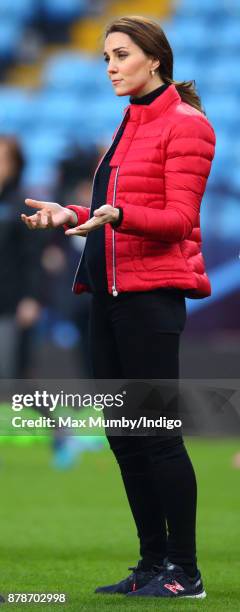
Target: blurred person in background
x,y
20,307
34,276
74,185
58,259
142,258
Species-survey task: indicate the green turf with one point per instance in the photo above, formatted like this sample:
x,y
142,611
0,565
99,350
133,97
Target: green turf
x,y
70,531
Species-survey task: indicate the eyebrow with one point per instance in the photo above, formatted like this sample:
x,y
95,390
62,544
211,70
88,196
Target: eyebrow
x,y
117,49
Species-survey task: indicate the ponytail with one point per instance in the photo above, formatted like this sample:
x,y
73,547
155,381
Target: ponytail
x,y
187,92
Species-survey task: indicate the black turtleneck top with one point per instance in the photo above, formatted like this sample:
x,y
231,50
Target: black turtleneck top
x,y
94,268
148,98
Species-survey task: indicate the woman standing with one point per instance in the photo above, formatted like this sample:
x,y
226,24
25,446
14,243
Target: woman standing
x,y
142,258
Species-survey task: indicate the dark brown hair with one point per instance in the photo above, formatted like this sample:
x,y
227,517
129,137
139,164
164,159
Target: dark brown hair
x,y
150,37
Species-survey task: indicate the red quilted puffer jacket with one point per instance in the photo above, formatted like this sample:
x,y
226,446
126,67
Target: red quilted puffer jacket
x,y
159,173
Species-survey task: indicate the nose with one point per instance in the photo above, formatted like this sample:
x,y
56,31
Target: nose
x,y
112,68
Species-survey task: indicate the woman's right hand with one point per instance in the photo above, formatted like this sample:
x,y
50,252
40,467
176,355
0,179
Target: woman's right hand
x,y
48,215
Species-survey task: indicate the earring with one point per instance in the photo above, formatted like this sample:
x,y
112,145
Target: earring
x,y
152,72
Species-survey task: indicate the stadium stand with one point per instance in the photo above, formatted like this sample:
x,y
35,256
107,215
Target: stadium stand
x,y
55,93
54,84
55,97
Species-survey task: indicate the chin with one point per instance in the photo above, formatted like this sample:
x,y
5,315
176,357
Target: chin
x,y
121,93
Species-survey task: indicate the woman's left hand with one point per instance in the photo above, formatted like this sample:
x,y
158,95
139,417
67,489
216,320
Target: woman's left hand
x,y
104,214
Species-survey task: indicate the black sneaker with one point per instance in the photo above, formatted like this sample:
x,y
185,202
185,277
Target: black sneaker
x,y
138,579
173,582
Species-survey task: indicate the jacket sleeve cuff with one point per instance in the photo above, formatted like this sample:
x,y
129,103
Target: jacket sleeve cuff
x,y
82,213
132,220
118,222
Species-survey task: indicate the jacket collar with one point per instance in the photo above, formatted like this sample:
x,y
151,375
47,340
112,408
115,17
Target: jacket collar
x,y
142,113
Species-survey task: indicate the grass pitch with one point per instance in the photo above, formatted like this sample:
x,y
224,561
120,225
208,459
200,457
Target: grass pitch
x,y
71,531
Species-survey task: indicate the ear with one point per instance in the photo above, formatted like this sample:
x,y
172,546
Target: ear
x,y
156,65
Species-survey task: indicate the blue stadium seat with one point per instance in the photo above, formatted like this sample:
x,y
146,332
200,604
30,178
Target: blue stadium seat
x,y
10,38
45,145
235,184
17,10
223,161
59,109
224,144
65,10
223,73
37,174
220,172
223,111
75,71
99,121
189,36
195,8
16,108
186,68
229,217
228,35
235,148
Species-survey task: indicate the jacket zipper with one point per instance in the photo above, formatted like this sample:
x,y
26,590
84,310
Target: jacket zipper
x,y
114,197
114,288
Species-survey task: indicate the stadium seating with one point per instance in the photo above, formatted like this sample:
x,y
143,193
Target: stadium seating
x,y
40,176
18,10
189,36
10,39
16,109
64,10
76,101
46,145
209,8
75,71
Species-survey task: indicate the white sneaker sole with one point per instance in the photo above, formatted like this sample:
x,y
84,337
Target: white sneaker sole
x,y
199,596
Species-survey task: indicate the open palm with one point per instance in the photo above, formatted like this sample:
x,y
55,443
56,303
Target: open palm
x,y
49,214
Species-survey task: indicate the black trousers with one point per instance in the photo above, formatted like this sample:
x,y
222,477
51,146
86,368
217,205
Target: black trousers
x,y
137,335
